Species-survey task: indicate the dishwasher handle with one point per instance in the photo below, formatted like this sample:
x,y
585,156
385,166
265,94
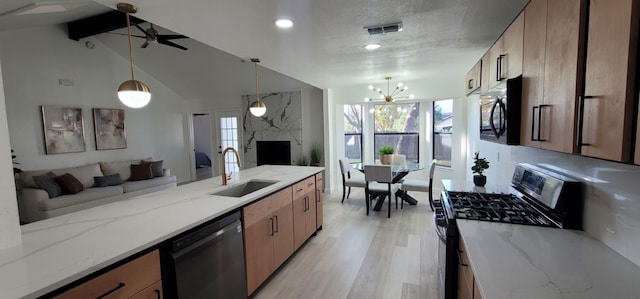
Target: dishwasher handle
x,y
235,227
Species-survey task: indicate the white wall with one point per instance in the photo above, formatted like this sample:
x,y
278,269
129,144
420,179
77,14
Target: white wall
x,y
612,203
31,75
9,224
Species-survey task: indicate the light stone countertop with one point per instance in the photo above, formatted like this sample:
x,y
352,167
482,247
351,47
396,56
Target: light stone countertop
x,y
57,251
512,261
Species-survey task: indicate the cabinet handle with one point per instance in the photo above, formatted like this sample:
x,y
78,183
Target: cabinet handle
x,y
318,195
533,123
157,294
271,221
581,120
299,189
540,120
120,286
460,259
306,203
470,84
276,217
498,68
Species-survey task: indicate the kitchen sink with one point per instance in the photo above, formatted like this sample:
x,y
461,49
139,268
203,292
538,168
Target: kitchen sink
x,y
244,188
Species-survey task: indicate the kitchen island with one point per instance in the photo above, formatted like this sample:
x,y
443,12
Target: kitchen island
x,y
521,261
58,251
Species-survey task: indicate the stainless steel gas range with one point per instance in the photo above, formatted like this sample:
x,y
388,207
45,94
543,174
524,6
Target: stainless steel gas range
x,y
536,196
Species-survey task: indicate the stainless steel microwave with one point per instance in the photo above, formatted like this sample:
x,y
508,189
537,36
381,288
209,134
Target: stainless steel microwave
x,y
500,110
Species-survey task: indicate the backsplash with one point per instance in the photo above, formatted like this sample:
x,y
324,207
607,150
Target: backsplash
x,y
612,202
282,121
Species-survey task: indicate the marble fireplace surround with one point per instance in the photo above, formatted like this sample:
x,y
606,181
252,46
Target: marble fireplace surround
x,y
282,121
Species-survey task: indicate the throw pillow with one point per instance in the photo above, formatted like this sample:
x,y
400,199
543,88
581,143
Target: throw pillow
x,y
47,182
141,172
108,180
69,183
156,167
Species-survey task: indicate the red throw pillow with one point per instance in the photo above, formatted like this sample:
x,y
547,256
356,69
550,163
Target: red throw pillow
x,y
141,172
69,183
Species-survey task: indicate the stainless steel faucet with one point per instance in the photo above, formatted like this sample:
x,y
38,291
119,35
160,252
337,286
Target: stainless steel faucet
x,y
225,176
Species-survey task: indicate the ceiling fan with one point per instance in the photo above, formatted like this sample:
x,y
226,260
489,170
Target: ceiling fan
x,y
151,36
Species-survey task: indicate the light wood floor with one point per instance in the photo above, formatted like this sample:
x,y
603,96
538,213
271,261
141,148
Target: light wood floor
x,y
359,256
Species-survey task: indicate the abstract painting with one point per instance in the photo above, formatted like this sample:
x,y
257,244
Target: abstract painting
x,y
109,127
63,129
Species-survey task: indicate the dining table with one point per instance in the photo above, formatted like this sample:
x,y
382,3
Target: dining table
x,y
398,171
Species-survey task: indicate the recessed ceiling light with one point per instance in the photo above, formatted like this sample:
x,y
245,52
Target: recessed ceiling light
x,y
371,47
284,23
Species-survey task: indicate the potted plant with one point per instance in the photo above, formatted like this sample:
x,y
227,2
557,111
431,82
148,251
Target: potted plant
x,y
302,160
315,154
386,154
479,165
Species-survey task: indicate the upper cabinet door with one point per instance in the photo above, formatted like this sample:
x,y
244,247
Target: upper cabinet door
x,y
495,56
473,78
610,80
563,60
535,29
512,43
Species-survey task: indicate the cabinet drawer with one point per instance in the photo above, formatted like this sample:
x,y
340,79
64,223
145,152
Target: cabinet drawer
x,y
153,291
121,282
319,181
310,185
299,189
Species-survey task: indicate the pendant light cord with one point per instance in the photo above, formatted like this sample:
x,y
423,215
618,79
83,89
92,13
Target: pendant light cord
x,y
256,66
130,48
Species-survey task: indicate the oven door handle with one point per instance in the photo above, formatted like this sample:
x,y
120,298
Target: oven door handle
x,y
442,236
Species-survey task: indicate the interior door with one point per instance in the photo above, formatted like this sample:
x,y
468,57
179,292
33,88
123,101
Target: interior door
x,y
229,135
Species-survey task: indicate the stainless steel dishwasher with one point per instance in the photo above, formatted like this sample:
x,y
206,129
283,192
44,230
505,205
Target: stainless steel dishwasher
x,y
209,262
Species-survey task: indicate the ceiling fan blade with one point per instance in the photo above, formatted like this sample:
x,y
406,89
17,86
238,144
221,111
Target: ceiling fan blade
x,y
171,36
172,44
146,44
133,35
141,29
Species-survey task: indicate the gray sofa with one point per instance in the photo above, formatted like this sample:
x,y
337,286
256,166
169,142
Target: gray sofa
x,y
35,204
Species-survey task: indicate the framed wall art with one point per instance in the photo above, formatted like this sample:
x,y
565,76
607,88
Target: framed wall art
x,y
63,129
109,127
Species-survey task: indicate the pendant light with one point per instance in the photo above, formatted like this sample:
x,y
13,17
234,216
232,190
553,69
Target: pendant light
x,y
257,108
132,93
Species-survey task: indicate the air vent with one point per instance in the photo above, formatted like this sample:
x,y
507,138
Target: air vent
x,y
384,29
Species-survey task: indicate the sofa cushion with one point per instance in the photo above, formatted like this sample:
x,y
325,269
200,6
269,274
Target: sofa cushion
x,y
156,167
84,174
141,172
69,184
121,167
132,186
89,194
108,180
47,182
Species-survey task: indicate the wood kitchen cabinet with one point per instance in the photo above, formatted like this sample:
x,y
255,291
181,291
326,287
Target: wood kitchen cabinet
x,y
304,210
473,80
467,286
610,81
319,199
268,236
505,56
139,278
553,43
484,73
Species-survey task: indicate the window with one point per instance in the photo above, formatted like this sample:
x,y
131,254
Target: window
x,y
442,129
229,138
397,125
353,133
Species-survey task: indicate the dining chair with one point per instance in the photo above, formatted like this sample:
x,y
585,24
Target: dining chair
x,y
379,182
420,185
347,180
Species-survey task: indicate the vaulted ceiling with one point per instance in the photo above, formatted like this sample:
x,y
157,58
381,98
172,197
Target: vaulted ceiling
x,y
325,47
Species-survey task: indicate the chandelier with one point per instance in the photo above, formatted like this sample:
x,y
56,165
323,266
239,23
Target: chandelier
x,y
390,96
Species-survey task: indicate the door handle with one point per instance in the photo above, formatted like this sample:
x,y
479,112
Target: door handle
x,y
580,135
276,217
540,121
272,230
533,123
470,84
157,294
